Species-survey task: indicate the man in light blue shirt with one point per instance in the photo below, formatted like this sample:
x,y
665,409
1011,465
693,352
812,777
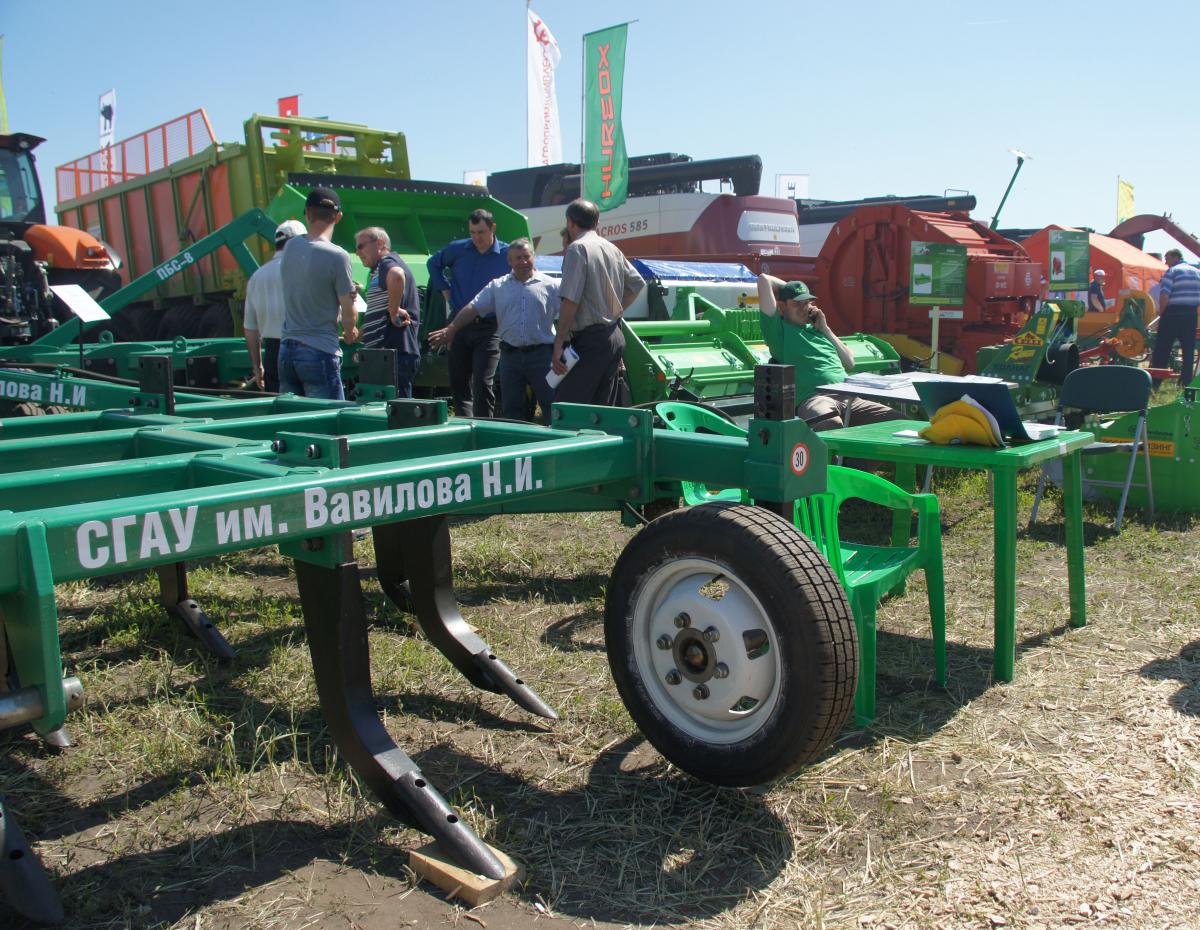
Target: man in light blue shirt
x,y
1178,300
524,305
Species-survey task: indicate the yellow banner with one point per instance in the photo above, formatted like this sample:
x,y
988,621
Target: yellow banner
x,y
1125,208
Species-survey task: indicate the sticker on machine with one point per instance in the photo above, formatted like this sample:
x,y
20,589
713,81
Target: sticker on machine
x,y
800,458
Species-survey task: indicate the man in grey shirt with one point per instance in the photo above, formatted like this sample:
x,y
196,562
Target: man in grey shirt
x,y
317,290
598,284
524,303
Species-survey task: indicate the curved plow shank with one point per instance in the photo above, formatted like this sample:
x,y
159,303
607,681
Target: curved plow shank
x,y
415,571
26,886
336,624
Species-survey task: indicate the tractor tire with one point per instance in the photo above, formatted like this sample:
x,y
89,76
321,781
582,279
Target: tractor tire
x,y
731,643
26,410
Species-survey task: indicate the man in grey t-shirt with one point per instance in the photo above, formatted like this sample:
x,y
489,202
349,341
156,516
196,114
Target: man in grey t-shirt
x,y
598,285
317,290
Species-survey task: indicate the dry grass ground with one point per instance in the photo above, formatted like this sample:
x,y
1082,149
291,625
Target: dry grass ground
x,y
200,796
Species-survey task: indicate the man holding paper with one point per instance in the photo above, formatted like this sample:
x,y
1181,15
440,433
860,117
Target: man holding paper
x,y
797,333
598,285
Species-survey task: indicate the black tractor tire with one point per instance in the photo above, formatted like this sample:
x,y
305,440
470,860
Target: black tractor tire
x,y
731,643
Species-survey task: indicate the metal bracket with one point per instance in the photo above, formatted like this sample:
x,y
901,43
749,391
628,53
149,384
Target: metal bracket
x,y
405,412
173,595
414,566
336,624
378,373
631,422
202,371
156,375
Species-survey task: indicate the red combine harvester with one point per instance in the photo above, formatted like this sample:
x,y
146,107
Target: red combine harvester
x,y
862,281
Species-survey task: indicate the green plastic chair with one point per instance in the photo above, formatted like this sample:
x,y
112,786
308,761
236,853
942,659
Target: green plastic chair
x,y
867,572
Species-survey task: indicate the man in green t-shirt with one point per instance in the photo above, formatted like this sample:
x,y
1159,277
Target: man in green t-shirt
x,y
797,333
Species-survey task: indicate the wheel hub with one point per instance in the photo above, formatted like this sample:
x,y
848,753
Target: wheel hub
x,y
695,659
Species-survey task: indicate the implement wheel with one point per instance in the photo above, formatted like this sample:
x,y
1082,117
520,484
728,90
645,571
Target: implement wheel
x,y
731,643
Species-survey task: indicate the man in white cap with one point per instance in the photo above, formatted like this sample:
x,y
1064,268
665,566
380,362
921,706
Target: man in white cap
x,y
263,319
1096,301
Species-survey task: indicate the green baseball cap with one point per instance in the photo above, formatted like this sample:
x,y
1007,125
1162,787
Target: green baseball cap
x,y
796,290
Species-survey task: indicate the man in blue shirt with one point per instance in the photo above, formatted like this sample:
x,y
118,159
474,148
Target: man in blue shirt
x,y
460,271
1178,300
525,305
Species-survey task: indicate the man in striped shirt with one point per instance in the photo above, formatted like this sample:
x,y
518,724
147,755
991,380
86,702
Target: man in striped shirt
x,y
393,311
1178,301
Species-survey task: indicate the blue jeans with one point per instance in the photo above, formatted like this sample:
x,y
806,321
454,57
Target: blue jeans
x,y
519,367
309,372
407,366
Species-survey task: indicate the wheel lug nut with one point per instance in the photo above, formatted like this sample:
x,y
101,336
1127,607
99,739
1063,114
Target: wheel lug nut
x,y
700,692
711,635
673,677
664,642
683,620
721,671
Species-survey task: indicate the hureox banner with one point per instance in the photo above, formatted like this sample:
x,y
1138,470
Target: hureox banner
x,y
545,136
605,164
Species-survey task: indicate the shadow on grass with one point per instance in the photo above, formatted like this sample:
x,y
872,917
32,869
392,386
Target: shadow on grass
x,y
639,845
1184,668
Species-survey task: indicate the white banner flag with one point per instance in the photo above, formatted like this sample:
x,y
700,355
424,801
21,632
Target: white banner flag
x,y
545,137
108,117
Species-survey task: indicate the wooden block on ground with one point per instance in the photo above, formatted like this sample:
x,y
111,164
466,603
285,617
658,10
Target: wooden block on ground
x,y
431,863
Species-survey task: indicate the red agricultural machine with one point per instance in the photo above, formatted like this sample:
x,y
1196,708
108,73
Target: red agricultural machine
x,y
862,281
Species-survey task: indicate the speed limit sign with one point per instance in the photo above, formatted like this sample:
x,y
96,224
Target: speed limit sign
x,y
800,458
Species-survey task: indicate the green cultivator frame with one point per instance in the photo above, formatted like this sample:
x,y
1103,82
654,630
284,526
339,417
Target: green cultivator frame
x,y
736,688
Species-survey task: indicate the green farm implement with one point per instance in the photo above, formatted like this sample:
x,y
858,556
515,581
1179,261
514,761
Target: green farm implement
x,y
706,354
736,687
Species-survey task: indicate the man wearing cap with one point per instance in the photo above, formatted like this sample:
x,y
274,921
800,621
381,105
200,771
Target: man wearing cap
x,y
524,304
1096,302
317,290
1178,299
797,333
598,285
263,318
460,271
393,312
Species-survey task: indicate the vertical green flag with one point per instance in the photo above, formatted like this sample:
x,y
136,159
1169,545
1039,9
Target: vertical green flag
x,y
605,164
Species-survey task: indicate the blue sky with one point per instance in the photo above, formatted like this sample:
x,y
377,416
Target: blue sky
x,y
866,97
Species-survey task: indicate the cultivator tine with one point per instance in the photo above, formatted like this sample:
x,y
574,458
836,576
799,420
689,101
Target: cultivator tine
x,y
173,595
58,739
25,884
414,556
336,624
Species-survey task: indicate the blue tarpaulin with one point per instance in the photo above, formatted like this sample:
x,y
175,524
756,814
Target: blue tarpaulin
x,y
650,269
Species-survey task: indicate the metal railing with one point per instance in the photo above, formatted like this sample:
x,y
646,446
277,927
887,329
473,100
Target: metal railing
x,y
138,155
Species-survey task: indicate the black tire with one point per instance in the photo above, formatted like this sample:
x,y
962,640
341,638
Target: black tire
x,y
758,722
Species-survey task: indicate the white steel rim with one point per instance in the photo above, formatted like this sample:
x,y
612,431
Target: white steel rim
x,y
741,702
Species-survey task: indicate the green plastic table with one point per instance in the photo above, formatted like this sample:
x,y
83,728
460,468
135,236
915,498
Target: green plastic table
x,y
878,441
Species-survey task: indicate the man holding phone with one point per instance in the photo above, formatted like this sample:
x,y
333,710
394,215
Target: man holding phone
x,y
797,333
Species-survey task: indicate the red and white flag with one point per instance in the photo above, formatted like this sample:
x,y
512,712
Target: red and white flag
x,y
545,136
289,106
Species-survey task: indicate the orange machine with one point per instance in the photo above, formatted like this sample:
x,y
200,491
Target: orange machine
x,y
863,282
34,256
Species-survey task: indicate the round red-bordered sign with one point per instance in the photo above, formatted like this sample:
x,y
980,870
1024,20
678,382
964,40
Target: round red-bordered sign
x,y
800,458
